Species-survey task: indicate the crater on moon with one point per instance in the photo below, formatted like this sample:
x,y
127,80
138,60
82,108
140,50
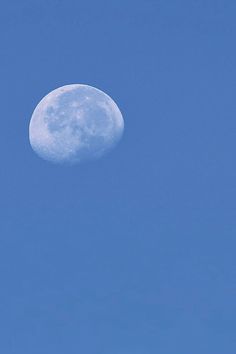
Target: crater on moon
x,y
75,123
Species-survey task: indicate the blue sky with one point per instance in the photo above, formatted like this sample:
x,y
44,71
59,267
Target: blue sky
x,y
133,253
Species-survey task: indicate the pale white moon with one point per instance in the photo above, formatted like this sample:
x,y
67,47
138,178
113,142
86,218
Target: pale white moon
x,y
75,123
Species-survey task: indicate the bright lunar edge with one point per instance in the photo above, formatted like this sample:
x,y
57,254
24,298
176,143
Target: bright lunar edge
x,y
75,123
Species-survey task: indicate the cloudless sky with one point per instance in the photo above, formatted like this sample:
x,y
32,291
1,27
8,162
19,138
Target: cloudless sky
x,y
133,253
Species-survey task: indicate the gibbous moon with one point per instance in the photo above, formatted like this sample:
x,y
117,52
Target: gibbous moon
x,y
75,123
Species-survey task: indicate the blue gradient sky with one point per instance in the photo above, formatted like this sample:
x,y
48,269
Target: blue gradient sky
x,y
134,253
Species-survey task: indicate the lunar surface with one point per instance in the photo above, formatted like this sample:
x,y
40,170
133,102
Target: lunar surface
x,y
75,123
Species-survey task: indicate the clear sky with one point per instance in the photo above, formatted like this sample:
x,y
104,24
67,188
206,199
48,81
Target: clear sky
x,y
133,253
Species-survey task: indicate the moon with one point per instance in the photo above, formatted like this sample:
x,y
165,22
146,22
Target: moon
x,y
75,123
